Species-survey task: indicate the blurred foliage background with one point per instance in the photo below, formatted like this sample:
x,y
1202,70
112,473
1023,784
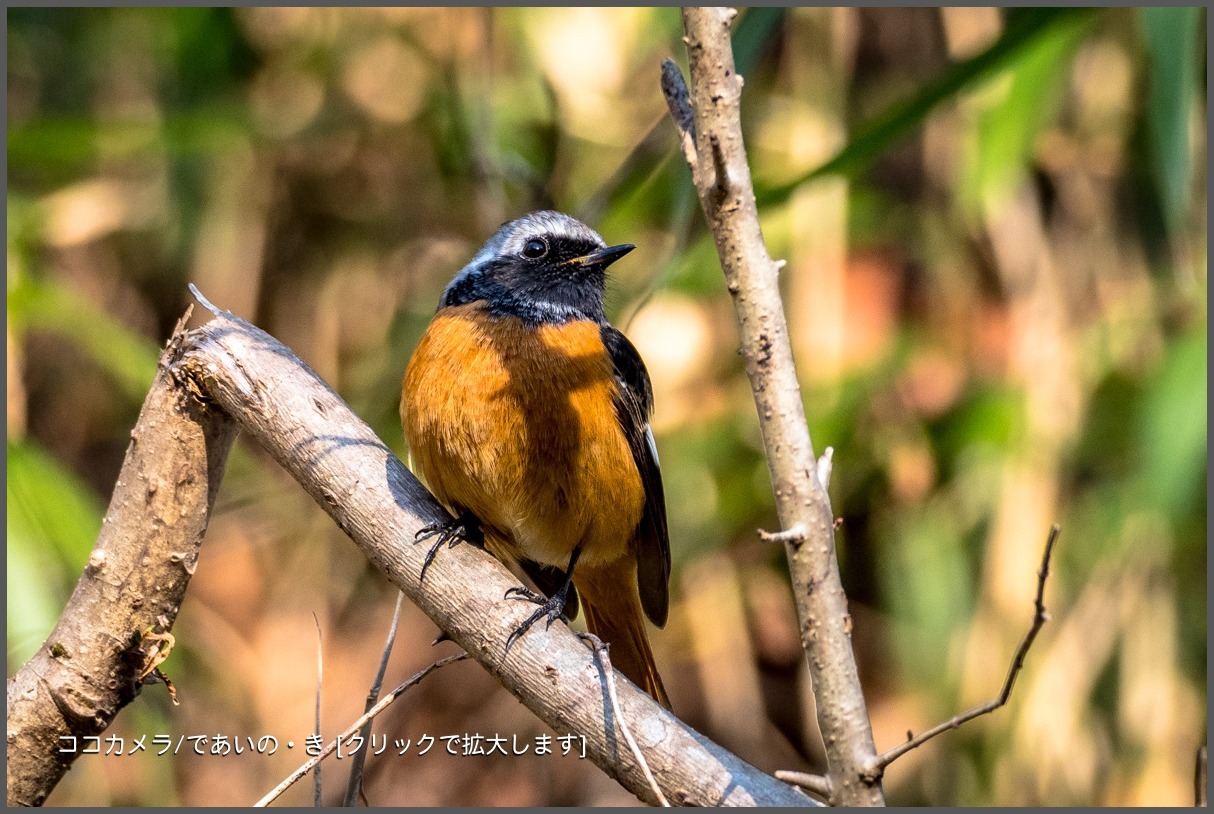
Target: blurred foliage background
x,y
995,226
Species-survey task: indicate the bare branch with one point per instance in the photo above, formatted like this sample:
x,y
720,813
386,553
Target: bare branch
x,y
354,787
1040,617
815,783
366,718
722,179
600,651
375,500
130,592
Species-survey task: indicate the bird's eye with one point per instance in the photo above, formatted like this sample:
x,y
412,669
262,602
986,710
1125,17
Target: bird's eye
x,y
535,249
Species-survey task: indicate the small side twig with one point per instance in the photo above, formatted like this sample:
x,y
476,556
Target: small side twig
x,y
354,786
354,727
825,464
678,99
815,783
601,653
320,674
1040,617
794,535
207,304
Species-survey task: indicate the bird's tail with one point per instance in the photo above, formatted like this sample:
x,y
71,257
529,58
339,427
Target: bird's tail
x,y
613,613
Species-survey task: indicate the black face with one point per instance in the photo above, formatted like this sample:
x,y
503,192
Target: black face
x,y
549,278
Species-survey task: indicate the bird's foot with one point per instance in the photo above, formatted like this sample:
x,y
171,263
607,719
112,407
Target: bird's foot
x,y
463,529
551,608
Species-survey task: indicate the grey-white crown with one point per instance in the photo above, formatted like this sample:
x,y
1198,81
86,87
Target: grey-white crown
x,y
511,238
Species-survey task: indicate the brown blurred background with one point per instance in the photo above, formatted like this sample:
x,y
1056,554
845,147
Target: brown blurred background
x,y
998,305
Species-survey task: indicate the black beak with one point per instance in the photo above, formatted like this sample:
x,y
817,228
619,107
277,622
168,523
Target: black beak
x,y
603,257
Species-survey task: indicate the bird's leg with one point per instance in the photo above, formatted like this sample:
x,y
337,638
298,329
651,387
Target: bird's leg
x,y
550,608
465,528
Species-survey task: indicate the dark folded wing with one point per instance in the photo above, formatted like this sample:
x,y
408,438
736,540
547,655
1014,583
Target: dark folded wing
x,y
633,405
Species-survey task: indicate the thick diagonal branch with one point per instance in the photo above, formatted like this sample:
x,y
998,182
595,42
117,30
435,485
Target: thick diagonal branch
x,y
722,178
356,479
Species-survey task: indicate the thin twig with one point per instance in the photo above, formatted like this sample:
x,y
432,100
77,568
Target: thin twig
x,y
320,673
601,653
207,304
354,727
354,787
1200,780
1040,617
815,783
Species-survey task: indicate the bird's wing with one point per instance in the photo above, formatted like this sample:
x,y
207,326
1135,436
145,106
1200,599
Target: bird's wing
x,y
633,405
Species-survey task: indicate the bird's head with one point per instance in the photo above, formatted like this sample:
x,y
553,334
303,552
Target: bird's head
x,y
544,267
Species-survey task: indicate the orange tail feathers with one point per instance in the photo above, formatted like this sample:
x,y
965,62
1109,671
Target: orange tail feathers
x,y
613,613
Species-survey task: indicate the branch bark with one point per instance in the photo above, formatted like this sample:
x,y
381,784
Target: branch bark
x,y
357,480
134,583
722,179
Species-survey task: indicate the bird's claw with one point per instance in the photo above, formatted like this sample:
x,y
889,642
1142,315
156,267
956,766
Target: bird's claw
x,y
551,608
462,529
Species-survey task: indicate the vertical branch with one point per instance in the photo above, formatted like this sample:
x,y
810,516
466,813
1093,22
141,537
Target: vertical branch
x,y
722,178
107,642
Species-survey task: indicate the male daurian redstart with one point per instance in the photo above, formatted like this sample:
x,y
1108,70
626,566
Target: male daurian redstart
x,y
527,415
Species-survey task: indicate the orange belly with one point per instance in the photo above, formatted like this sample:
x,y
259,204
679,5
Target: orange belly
x,y
518,426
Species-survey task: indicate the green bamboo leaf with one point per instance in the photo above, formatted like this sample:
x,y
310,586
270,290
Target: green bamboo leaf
x,y
1173,427
1172,39
129,358
1008,128
899,120
53,521
755,31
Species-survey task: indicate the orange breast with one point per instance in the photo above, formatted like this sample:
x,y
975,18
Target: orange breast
x,y
518,425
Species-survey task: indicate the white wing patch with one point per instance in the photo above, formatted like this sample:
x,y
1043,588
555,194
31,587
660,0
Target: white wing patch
x,y
653,447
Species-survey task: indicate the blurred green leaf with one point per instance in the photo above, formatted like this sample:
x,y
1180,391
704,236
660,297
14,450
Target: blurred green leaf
x,y
33,604
1172,40
71,143
1173,427
1023,30
128,357
53,521
1007,130
755,32
926,573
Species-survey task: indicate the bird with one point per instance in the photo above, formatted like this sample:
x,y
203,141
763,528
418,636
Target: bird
x,y
526,413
